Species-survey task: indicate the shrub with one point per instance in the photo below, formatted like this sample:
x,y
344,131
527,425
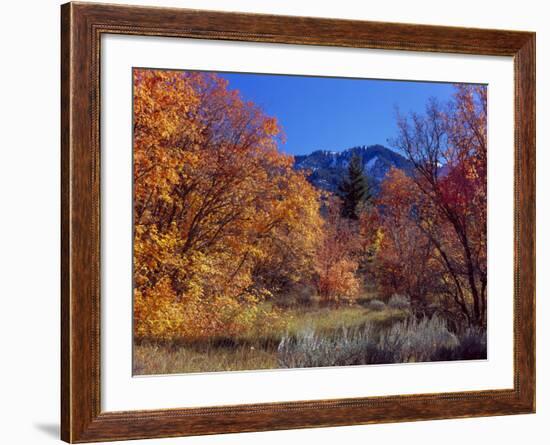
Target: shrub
x,y
415,340
309,349
377,305
398,301
412,340
159,316
473,344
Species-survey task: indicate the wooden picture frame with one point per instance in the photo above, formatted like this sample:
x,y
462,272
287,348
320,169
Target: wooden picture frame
x,y
82,25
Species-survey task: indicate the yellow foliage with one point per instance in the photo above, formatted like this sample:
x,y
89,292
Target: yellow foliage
x,y
214,202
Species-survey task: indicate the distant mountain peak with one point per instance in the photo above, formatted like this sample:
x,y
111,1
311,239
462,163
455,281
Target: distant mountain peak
x,y
327,168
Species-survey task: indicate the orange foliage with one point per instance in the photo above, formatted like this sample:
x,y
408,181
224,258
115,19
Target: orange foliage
x,y
214,200
405,258
222,221
336,260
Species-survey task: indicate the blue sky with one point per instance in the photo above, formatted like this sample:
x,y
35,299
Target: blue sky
x,y
334,113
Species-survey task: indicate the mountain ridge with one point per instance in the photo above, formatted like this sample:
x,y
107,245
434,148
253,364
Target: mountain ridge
x,y
327,168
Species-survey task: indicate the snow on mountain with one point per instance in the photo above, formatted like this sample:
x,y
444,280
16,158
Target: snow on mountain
x,y
327,168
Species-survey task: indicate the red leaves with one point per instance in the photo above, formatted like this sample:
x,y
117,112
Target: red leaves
x,y
437,217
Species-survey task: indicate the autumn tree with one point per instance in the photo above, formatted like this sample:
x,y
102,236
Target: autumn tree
x,y
447,147
336,264
354,189
214,202
405,262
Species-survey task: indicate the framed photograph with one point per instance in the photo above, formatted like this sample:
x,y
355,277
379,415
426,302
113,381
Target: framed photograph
x,y
275,222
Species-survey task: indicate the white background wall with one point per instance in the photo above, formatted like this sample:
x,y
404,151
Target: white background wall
x,y
29,219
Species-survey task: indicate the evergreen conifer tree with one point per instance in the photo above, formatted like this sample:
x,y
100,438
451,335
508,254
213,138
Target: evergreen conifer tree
x,y
354,189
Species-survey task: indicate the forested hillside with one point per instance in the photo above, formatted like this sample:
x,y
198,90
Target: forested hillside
x,y
326,169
